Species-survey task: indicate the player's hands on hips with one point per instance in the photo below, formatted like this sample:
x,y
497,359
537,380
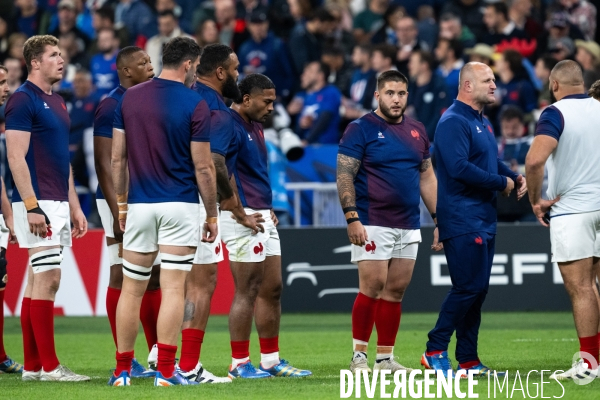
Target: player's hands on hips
x,y
117,230
209,232
80,225
38,225
437,245
274,218
251,221
521,187
357,233
510,185
542,207
10,225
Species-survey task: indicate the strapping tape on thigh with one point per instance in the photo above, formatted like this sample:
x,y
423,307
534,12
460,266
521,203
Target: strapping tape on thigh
x,y
136,272
48,259
171,261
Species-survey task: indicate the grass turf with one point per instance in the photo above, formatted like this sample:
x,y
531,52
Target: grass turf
x,y
319,342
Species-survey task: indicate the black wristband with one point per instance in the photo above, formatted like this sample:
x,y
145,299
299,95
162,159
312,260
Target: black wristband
x,y
38,210
348,209
433,215
351,220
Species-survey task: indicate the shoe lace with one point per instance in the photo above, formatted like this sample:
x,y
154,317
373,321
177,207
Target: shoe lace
x,y
137,367
248,367
65,370
445,363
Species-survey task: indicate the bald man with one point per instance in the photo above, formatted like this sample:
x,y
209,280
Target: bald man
x,y
567,142
469,174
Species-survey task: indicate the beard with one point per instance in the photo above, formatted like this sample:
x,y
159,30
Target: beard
x,y
387,112
230,88
552,97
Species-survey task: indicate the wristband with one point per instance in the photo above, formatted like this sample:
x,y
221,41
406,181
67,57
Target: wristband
x,y
351,220
433,215
212,220
347,209
350,214
30,203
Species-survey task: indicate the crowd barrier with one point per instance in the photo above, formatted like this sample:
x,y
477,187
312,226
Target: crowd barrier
x,y
318,275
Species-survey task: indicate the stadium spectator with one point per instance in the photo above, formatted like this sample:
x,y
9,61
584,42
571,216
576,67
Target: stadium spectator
x,y
104,18
264,53
558,27
77,56
341,10
67,23
428,27
383,57
469,12
103,65
519,12
562,48
583,14
65,85
168,28
514,143
451,28
340,71
339,37
28,18
543,66
81,111
35,116
359,99
565,139
317,106
171,5
367,22
588,56
232,30
383,218
3,38
14,74
482,53
139,20
427,98
387,32
306,40
513,86
243,8
449,55
469,174
408,42
207,33
15,50
500,28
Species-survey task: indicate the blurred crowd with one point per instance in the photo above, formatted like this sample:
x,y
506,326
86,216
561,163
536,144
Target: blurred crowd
x,y
323,55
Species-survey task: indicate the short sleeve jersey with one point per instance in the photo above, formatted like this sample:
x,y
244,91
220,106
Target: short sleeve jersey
x,y
104,118
250,164
160,119
45,116
221,122
388,181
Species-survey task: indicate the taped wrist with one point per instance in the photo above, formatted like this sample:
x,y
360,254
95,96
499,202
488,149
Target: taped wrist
x,y
38,210
122,204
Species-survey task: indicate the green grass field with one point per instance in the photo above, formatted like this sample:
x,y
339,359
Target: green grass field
x,y
320,342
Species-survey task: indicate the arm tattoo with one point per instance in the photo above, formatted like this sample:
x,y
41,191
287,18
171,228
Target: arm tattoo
x,y
347,167
425,165
223,185
188,311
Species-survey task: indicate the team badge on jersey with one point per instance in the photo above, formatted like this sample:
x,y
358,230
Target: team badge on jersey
x,y
380,135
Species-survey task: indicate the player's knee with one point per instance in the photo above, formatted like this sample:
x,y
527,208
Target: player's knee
x,y
373,288
273,292
394,294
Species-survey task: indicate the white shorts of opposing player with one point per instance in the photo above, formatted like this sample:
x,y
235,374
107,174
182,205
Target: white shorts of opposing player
x,y
242,245
59,235
387,243
168,224
107,220
575,236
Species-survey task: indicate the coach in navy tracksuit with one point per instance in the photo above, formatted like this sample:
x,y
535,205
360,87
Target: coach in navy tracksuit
x,y
469,175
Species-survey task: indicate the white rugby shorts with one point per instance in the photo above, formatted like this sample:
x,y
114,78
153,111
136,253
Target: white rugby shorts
x,y
208,253
575,236
152,224
4,233
242,245
60,220
387,243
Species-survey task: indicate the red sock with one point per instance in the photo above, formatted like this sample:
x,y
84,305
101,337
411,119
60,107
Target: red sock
x,y
31,356
363,317
434,352
589,345
269,345
240,349
42,320
123,362
166,359
149,315
469,364
112,299
598,338
387,322
191,342
2,351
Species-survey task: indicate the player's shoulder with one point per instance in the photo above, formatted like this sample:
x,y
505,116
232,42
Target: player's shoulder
x,y
413,123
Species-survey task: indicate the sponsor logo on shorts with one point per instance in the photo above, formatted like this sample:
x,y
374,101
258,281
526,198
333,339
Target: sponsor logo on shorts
x,y
259,249
370,247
